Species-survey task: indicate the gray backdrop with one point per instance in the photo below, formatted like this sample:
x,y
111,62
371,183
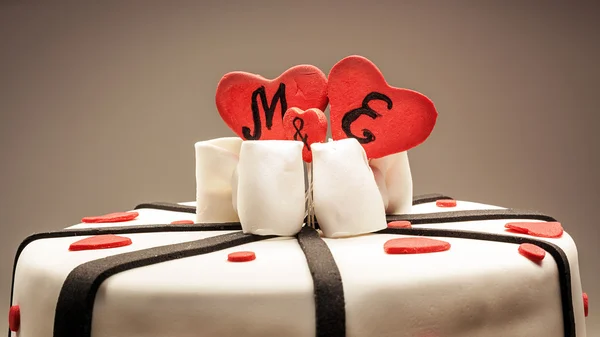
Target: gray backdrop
x,y
101,103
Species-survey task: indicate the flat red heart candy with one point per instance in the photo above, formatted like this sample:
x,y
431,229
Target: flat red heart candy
x,y
244,256
416,245
540,229
399,224
384,119
100,242
445,203
532,252
182,222
308,126
14,318
586,303
254,107
111,217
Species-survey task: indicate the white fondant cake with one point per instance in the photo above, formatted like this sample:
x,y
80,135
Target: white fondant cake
x,y
476,288
264,252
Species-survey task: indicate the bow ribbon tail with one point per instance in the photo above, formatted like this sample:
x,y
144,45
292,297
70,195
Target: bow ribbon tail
x,y
347,200
394,179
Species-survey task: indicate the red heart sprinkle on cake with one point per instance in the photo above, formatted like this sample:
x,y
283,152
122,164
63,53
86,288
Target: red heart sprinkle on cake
x,y
241,256
532,252
399,224
14,318
100,242
586,303
182,222
445,203
112,217
539,229
416,245
384,119
308,126
254,107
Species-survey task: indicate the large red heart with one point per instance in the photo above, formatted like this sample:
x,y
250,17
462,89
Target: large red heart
x,y
384,119
253,106
308,126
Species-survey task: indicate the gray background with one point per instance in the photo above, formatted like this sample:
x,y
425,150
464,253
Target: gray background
x,y
101,103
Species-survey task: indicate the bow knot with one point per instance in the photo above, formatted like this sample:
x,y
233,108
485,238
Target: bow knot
x,y
262,184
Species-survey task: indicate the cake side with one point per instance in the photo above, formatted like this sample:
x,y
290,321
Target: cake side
x,y
477,287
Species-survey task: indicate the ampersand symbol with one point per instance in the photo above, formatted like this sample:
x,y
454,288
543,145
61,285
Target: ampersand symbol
x,y
300,125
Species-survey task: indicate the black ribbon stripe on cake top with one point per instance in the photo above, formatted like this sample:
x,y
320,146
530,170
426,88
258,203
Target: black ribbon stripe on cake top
x,y
329,292
562,262
73,317
470,215
427,198
167,206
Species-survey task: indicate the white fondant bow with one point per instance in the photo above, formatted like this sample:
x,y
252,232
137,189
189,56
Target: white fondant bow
x,y
262,185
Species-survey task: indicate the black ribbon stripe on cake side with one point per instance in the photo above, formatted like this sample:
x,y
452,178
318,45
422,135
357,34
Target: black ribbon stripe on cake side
x,y
562,262
330,305
118,230
74,310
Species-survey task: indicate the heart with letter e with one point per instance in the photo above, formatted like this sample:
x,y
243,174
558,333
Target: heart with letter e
x,y
384,119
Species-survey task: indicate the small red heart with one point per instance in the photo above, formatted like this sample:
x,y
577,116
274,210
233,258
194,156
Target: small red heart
x,y
416,245
182,222
384,119
399,224
112,217
445,203
14,318
540,229
308,126
254,107
586,303
244,256
532,252
100,242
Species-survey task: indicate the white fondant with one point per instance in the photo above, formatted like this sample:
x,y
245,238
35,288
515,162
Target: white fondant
x,y
346,198
395,182
380,181
477,288
216,160
270,187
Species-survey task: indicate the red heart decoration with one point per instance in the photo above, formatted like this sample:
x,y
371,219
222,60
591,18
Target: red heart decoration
x,y
254,107
14,318
540,229
384,119
532,252
100,242
399,224
244,256
416,245
111,217
308,126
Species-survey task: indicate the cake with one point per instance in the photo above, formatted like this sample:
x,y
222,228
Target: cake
x,y
293,235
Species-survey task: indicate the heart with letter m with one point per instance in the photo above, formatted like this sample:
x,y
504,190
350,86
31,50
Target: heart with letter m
x,y
384,119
